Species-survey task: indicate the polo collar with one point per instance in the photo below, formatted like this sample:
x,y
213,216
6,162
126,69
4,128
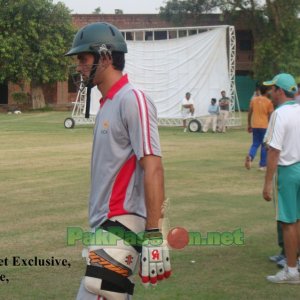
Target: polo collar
x,y
116,87
290,102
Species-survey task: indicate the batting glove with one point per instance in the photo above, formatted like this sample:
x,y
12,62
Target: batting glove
x,y
155,259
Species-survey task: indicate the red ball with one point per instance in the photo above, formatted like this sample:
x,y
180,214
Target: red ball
x,y
178,238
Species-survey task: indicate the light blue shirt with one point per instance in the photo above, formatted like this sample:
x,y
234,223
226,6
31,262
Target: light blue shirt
x,y
213,109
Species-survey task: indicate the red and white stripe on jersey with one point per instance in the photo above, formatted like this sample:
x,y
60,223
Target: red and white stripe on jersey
x,y
119,189
270,131
145,122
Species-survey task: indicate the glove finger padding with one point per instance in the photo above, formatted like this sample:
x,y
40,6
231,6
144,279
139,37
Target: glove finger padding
x,y
166,261
153,273
145,267
155,263
160,271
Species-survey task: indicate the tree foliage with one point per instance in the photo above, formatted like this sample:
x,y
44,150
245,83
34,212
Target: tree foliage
x,y
274,24
179,12
118,11
34,35
97,10
278,44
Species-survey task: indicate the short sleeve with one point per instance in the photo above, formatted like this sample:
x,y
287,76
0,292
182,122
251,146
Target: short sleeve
x,y
275,132
140,118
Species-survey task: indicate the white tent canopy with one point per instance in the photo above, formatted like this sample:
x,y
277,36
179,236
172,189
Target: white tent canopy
x,y
167,69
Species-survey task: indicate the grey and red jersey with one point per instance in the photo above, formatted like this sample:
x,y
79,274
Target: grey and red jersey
x,y
125,131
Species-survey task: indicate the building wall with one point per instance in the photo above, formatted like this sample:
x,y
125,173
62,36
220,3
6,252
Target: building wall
x,y
125,21
12,88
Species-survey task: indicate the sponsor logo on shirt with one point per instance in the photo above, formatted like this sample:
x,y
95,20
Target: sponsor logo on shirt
x,y
105,127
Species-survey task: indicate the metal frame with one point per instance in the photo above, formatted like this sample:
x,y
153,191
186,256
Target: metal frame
x,y
187,30
78,112
235,118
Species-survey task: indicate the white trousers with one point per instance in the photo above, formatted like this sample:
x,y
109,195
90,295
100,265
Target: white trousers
x,y
223,116
211,120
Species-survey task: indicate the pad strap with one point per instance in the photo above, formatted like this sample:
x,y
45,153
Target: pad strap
x,y
123,283
109,224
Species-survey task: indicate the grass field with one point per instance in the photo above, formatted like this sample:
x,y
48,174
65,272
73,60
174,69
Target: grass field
x,y
44,180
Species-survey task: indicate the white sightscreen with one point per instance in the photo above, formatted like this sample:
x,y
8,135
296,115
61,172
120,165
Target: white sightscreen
x,y
167,69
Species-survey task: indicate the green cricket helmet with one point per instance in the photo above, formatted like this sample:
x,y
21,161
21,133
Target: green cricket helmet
x,y
98,37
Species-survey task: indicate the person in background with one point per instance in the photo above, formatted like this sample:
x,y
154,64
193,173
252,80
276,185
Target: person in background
x,y
187,109
280,258
259,114
224,103
283,171
256,92
211,120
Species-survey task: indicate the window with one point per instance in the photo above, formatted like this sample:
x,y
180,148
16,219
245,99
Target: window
x,y
244,40
160,35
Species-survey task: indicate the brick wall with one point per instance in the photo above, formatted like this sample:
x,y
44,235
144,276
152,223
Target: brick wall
x,y
128,21
50,93
138,21
12,88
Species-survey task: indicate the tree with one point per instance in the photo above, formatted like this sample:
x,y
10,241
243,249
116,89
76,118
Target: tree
x,y
274,25
179,12
278,46
34,35
97,10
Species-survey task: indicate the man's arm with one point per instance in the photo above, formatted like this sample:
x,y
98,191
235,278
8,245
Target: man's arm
x,y
155,257
187,105
272,161
154,189
250,112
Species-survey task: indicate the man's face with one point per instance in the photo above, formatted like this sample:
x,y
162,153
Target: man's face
x,y
85,64
275,94
223,94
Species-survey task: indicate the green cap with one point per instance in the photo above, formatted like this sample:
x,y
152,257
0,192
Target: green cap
x,y
284,81
97,36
